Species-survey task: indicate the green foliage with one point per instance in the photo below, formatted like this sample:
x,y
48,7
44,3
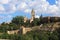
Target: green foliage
x,y
13,26
19,20
27,24
36,22
58,31
33,35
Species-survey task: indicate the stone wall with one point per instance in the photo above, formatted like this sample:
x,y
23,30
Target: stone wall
x,y
13,32
22,30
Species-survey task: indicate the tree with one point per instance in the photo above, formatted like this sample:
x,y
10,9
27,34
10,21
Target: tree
x,y
3,23
41,17
27,23
13,26
36,22
58,31
19,20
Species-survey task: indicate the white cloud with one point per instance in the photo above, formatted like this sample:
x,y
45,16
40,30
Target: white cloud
x,y
22,6
1,8
37,16
4,1
27,11
40,6
10,8
13,7
52,9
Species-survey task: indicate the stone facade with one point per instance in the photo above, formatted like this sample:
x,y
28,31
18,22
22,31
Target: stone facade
x,y
25,19
13,32
25,29
22,30
32,15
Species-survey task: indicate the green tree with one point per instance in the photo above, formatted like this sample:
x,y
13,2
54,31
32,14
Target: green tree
x,y
27,23
41,18
35,22
19,20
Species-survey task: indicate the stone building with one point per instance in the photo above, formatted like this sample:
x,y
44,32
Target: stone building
x,y
25,19
13,32
22,30
32,15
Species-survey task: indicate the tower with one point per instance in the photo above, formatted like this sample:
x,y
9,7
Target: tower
x,y
48,19
32,15
25,19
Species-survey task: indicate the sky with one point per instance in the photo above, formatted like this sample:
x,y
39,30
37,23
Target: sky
x,y
13,8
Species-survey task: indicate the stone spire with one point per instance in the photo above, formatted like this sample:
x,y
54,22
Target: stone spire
x,y
32,15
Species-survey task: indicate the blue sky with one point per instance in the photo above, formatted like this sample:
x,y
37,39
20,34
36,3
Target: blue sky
x,y
13,8
52,2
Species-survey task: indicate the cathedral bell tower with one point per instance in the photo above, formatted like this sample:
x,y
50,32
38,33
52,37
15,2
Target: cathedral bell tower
x,y
32,15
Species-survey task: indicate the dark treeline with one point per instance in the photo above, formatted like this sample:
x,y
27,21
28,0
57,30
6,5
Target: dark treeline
x,y
50,19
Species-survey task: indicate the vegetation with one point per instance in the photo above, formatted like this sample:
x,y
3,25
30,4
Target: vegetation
x,y
18,21
33,35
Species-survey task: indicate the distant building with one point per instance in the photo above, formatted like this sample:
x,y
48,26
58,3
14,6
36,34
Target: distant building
x,y
32,15
13,32
25,19
50,19
22,30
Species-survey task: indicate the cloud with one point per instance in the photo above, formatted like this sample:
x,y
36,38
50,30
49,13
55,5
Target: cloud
x,y
52,9
4,1
27,11
1,8
37,16
22,6
8,7
40,6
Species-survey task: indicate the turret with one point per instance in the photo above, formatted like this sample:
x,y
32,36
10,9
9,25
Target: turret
x,y
32,15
